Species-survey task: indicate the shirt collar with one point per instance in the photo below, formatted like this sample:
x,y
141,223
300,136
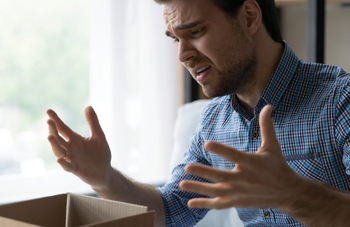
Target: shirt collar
x,y
276,86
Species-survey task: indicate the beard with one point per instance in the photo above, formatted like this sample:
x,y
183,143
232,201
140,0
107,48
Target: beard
x,y
237,70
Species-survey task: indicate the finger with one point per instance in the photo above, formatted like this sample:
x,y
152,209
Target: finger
x,y
212,190
62,128
66,157
229,153
58,151
53,131
221,189
210,173
212,203
268,134
92,120
67,166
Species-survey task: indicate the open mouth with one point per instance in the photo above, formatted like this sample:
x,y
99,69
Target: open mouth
x,y
202,70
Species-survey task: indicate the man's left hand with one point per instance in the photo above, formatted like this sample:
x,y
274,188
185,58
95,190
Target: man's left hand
x,y
259,180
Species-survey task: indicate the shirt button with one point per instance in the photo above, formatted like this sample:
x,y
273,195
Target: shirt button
x,y
255,135
266,214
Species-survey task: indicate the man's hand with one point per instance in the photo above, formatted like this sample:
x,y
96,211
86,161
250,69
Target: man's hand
x,y
88,158
259,180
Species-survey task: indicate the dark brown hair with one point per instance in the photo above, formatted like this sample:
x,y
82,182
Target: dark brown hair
x,y
268,9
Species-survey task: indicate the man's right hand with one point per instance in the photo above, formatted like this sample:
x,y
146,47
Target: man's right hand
x,y
88,158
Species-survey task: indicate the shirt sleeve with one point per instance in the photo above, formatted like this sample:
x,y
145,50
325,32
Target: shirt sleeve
x,y
342,123
175,201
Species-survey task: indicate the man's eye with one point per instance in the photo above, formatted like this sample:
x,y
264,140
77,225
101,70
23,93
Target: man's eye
x,y
196,31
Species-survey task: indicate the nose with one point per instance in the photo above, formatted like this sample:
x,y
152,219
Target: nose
x,y
186,51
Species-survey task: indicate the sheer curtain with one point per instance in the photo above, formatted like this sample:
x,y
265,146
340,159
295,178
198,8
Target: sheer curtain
x,y
134,85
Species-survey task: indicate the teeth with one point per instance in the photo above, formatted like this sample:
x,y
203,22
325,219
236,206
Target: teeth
x,y
202,69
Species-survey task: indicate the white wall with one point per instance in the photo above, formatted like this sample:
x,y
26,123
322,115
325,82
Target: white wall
x,y
294,27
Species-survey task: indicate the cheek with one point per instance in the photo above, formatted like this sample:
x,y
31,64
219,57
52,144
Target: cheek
x,y
208,48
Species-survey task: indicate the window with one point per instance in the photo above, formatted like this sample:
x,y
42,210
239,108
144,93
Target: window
x,y
134,85
68,54
44,63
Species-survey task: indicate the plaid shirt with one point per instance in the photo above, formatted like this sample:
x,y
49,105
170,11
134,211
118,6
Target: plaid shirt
x,y
311,116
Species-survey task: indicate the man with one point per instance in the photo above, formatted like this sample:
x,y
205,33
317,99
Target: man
x,y
274,143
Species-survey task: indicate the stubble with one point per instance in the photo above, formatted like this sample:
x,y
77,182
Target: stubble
x,y
237,70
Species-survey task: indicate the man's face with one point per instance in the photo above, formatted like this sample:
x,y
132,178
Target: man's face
x,y
211,46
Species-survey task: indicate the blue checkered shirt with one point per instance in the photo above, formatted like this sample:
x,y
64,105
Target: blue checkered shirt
x,y
311,116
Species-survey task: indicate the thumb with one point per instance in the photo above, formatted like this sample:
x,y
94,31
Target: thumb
x,y
92,120
267,130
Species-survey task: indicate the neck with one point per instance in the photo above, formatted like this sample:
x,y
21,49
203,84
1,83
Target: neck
x,y
269,54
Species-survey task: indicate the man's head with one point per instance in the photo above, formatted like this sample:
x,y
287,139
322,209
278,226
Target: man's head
x,y
217,39
268,9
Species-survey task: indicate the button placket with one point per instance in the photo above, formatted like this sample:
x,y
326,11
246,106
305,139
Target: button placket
x,y
255,135
266,214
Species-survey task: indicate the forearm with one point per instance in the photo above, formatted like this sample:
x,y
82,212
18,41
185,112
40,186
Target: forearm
x,y
123,189
318,205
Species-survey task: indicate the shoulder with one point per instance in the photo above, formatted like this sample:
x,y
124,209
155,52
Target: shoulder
x,y
342,108
322,81
343,78
342,92
217,108
321,74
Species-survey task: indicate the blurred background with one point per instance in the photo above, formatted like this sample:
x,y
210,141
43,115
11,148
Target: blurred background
x,y
44,63
67,54
44,55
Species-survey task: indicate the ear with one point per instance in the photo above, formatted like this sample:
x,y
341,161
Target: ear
x,y
253,16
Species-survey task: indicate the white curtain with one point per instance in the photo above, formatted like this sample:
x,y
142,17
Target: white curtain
x,y
134,85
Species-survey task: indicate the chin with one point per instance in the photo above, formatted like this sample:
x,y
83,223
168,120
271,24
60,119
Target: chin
x,y
210,93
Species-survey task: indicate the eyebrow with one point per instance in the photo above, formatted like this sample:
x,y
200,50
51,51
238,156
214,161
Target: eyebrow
x,y
185,27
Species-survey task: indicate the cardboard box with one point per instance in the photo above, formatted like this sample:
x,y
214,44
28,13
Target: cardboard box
x,y
72,210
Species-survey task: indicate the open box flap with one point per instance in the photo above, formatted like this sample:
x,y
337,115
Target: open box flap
x,y
48,211
6,222
140,220
85,210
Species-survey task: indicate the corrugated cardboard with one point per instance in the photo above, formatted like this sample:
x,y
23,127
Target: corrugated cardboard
x,y
72,210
